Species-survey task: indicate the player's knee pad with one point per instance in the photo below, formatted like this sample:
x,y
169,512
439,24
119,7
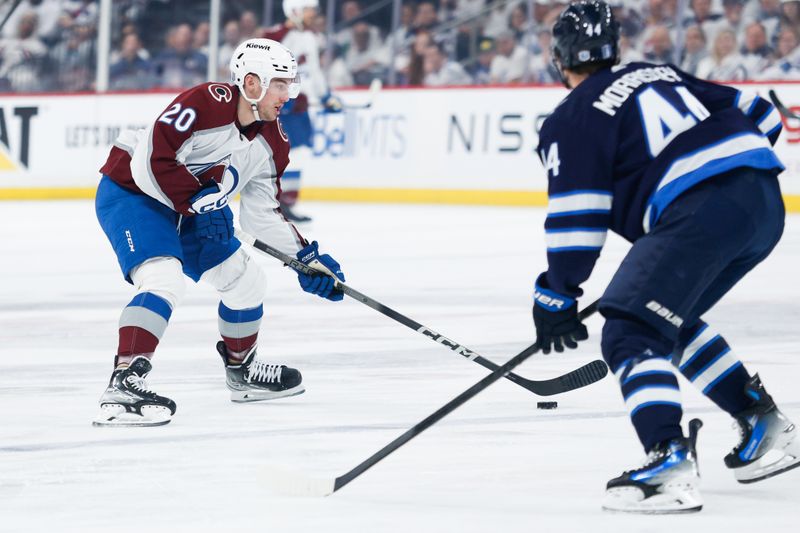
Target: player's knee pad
x,y
624,337
241,283
163,276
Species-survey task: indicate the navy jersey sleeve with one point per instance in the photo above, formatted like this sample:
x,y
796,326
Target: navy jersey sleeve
x,y
579,166
717,97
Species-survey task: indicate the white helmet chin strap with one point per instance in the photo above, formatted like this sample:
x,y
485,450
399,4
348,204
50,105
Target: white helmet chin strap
x,y
254,102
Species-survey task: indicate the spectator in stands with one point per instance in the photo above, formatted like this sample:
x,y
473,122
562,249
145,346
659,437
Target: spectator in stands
x,y
702,14
731,19
74,59
695,49
787,62
337,73
508,66
404,35
415,71
366,58
542,68
658,48
426,17
767,12
131,71
756,51
469,9
21,57
518,22
440,71
483,62
179,65
497,21
627,52
790,14
248,26
230,40
47,13
200,38
630,20
351,15
724,63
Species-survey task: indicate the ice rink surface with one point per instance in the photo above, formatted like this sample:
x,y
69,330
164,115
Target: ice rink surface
x,y
496,465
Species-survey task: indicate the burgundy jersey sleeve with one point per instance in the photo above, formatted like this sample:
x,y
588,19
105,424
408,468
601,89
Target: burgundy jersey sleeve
x,y
201,108
276,32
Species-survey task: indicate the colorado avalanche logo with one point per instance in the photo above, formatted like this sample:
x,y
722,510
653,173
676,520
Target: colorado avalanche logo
x,y
220,171
220,92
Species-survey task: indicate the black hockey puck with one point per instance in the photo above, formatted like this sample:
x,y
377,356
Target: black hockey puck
x,y
546,405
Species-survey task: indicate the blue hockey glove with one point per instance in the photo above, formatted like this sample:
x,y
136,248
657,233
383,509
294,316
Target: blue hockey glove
x,y
215,225
556,319
209,198
320,284
331,103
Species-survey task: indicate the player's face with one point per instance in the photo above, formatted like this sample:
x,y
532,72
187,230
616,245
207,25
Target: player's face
x,y
277,94
309,14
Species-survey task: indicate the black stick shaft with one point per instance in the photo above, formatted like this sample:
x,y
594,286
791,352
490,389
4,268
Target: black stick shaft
x,y
399,317
437,415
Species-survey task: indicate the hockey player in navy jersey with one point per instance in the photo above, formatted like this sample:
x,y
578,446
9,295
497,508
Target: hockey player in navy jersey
x,y
684,169
163,204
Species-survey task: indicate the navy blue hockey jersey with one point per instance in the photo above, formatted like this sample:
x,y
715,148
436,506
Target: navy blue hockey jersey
x,y
626,142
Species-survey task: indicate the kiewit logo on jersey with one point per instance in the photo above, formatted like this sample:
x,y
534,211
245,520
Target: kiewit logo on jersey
x,y
16,153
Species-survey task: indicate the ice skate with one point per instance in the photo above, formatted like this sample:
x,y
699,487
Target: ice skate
x,y
668,482
253,380
129,402
291,216
769,443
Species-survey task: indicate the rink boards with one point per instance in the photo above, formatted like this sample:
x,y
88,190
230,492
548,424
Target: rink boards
x,y
452,145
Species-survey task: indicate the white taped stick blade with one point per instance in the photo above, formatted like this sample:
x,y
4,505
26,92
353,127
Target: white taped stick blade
x,y
244,237
285,482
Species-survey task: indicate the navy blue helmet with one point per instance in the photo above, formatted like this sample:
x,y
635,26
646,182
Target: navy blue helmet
x,y
585,33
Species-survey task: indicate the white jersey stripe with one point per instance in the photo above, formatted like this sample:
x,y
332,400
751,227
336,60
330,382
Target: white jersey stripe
x,y
571,238
579,201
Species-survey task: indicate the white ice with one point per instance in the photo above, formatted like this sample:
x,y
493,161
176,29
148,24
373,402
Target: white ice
x,y
496,465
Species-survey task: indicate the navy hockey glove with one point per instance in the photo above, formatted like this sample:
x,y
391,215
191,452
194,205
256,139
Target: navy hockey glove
x,y
216,225
556,319
331,103
209,198
320,284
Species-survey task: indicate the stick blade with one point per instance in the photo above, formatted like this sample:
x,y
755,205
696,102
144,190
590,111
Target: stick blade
x,y
284,482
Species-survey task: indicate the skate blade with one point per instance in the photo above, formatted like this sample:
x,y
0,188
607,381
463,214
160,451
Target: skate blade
x,y
629,500
783,458
259,396
115,415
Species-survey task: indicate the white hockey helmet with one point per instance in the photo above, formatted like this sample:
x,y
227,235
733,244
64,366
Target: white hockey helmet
x,y
266,59
293,9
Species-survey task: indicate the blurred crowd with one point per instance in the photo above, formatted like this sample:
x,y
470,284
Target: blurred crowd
x,y
51,45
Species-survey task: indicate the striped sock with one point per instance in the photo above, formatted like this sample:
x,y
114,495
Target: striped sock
x,y
239,328
141,326
708,362
652,396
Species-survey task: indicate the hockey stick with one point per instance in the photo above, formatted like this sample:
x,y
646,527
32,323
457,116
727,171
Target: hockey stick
x,y
294,484
782,109
372,93
568,382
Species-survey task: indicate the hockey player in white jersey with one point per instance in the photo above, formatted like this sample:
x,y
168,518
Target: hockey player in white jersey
x,y
296,35
163,204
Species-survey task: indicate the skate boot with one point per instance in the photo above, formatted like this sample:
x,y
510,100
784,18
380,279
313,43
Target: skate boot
x,y
253,380
129,402
769,444
667,483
